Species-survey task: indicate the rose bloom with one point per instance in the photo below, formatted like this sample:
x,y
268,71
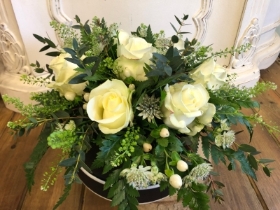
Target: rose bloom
x,y
64,71
210,74
110,106
205,119
183,103
133,53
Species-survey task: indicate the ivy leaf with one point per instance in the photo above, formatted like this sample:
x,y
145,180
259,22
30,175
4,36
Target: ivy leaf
x,y
245,166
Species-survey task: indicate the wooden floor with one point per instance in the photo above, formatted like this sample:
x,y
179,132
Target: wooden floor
x,y
241,193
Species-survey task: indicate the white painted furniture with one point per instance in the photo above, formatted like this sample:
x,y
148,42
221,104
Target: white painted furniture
x,y
222,23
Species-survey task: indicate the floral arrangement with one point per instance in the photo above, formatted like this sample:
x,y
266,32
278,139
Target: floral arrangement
x,y
145,102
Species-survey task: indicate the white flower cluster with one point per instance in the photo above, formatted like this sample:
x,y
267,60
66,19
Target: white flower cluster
x,y
198,173
225,136
142,177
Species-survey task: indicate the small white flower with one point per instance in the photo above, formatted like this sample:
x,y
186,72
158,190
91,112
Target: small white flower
x,y
225,140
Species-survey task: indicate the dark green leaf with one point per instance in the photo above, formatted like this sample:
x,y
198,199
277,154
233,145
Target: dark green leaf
x,y
174,39
77,19
61,114
174,28
245,166
44,48
118,198
65,194
252,162
68,162
168,70
266,171
50,43
88,60
70,51
266,161
150,37
87,28
78,79
53,54
76,26
219,184
73,60
247,148
39,70
114,177
205,146
180,23
75,44
39,38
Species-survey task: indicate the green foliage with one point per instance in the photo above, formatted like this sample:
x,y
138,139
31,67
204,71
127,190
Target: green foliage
x,y
36,155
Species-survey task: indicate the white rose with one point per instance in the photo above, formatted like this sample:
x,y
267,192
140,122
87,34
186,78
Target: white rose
x,y
133,53
206,118
64,72
182,104
110,105
210,74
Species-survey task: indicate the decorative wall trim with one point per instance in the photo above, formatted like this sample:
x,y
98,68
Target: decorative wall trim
x,y
3,13
13,56
56,12
270,27
201,18
250,36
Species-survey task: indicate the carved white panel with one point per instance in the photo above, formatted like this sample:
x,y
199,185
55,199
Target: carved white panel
x,y
250,36
12,52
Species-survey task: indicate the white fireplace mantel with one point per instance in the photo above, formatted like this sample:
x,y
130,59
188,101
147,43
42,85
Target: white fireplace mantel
x,y
220,23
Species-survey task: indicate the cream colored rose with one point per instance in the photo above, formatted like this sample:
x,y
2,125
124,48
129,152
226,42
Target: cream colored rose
x,y
133,53
64,72
210,74
110,105
183,103
205,119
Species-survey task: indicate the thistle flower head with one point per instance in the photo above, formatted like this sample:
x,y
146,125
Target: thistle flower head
x,y
226,139
198,173
150,108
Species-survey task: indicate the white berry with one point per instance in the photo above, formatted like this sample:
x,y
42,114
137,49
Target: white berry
x,y
147,147
164,133
86,97
182,165
175,181
70,96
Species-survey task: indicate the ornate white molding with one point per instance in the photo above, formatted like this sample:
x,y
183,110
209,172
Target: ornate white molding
x,y
250,36
201,18
11,51
270,27
56,12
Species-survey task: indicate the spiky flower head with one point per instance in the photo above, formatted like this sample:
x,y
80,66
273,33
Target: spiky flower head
x,y
225,139
150,108
198,173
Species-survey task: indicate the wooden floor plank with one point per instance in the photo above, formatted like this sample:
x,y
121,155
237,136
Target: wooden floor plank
x,y
268,186
13,156
272,74
49,198
94,202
